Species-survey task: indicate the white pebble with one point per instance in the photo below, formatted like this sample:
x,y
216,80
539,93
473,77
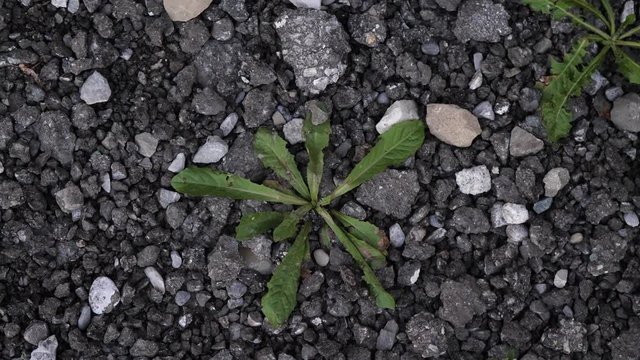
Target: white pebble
x,y
176,259
155,278
576,238
631,219
474,181
177,164
95,89
167,197
515,213
321,257
396,235
85,317
228,124
103,295
560,280
212,151
399,111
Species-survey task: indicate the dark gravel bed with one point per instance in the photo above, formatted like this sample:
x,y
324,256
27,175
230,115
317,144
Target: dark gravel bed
x,y
503,245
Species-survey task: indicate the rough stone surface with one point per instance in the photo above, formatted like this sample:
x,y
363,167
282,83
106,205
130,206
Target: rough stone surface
x,y
56,137
70,198
607,249
474,181
399,111
392,192
185,10
95,89
258,107
470,220
461,301
147,144
224,262
523,143
103,295
570,337
315,45
46,349
555,180
481,20
11,194
626,112
452,124
211,151
428,335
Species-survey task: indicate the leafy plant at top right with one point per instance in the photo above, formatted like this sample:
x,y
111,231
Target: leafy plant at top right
x,y
569,76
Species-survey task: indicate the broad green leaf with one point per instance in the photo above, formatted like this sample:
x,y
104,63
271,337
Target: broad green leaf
x,y
288,226
382,297
276,185
316,139
254,224
325,236
627,66
374,257
280,299
394,146
272,151
209,182
363,230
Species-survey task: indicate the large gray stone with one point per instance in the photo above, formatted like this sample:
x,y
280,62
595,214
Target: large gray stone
x,y
56,137
401,110
224,262
626,112
481,20
461,301
523,143
452,124
428,335
95,89
392,192
103,295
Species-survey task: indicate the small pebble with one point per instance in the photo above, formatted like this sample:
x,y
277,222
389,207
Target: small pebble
x,y
576,238
176,259
177,164
631,219
396,235
560,280
321,257
182,297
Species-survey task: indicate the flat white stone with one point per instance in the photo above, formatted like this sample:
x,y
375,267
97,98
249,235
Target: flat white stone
x,y
95,89
103,295
515,213
474,181
177,164
212,151
401,110
321,257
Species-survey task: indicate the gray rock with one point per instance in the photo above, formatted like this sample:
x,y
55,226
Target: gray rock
x,y
145,348
185,10
59,3
452,124
396,235
368,29
11,194
224,262
321,257
607,249
208,102
36,332
626,112
354,209
177,164
56,137
95,89
560,279
470,221
521,57
428,335
515,213
228,124
155,278
242,160
176,259
309,4
293,131
449,5
481,20
236,289
461,301
430,48
570,337
258,105
224,79
497,220
626,346
543,205
103,295
392,192
148,256
387,336
474,181
523,143
182,297
555,180
517,233
599,207
409,273
46,349
167,197
147,144
85,317
613,93
631,219
70,198
257,254
484,110
212,151
193,35
315,45
401,110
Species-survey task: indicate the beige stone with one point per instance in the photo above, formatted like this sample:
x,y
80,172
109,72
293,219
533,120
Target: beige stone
x,y
452,124
185,10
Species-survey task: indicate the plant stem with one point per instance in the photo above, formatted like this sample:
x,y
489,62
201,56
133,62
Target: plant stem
x,y
629,33
632,44
583,23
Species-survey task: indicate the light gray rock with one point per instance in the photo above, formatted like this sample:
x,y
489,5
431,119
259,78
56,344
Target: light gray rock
x,y
555,180
452,124
36,331
401,110
167,197
147,144
185,10
428,335
85,317
523,143
212,151
46,349
560,279
315,44
481,20
177,164
103,295
176,259
321,257
517,233
484,110
514,213
56,136
155,278
70,198
95,89
627,10
631,219
309,4
570,337
396,235
626,112
474,181
229,123
293,131
387,336
392,192
256,254
224,262
59,3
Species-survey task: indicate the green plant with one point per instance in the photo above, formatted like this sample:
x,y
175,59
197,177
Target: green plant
x,y
363,241
570,75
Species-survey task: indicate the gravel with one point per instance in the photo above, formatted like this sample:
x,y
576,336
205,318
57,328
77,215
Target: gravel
x,y
481,20
95,89
625,113
474,181
452,124
523,143
211,151
104,295
401,110
392,192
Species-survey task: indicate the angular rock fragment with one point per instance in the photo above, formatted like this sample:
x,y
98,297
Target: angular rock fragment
x,y
185,10
452,124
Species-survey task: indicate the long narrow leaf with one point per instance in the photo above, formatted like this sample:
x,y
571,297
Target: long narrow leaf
x,y
394,146
559,9
382,297
316,139
280,299
363,230
585,5
325,236
375,258
209,182
627,66
287,228
611,16
272,151
254,224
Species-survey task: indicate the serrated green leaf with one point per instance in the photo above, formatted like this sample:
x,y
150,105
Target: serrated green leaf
x,y
325,236
254,224
287,228
394,146
375,258
382,297
627,66
364,230
272,151
209,182
280,299
316,139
